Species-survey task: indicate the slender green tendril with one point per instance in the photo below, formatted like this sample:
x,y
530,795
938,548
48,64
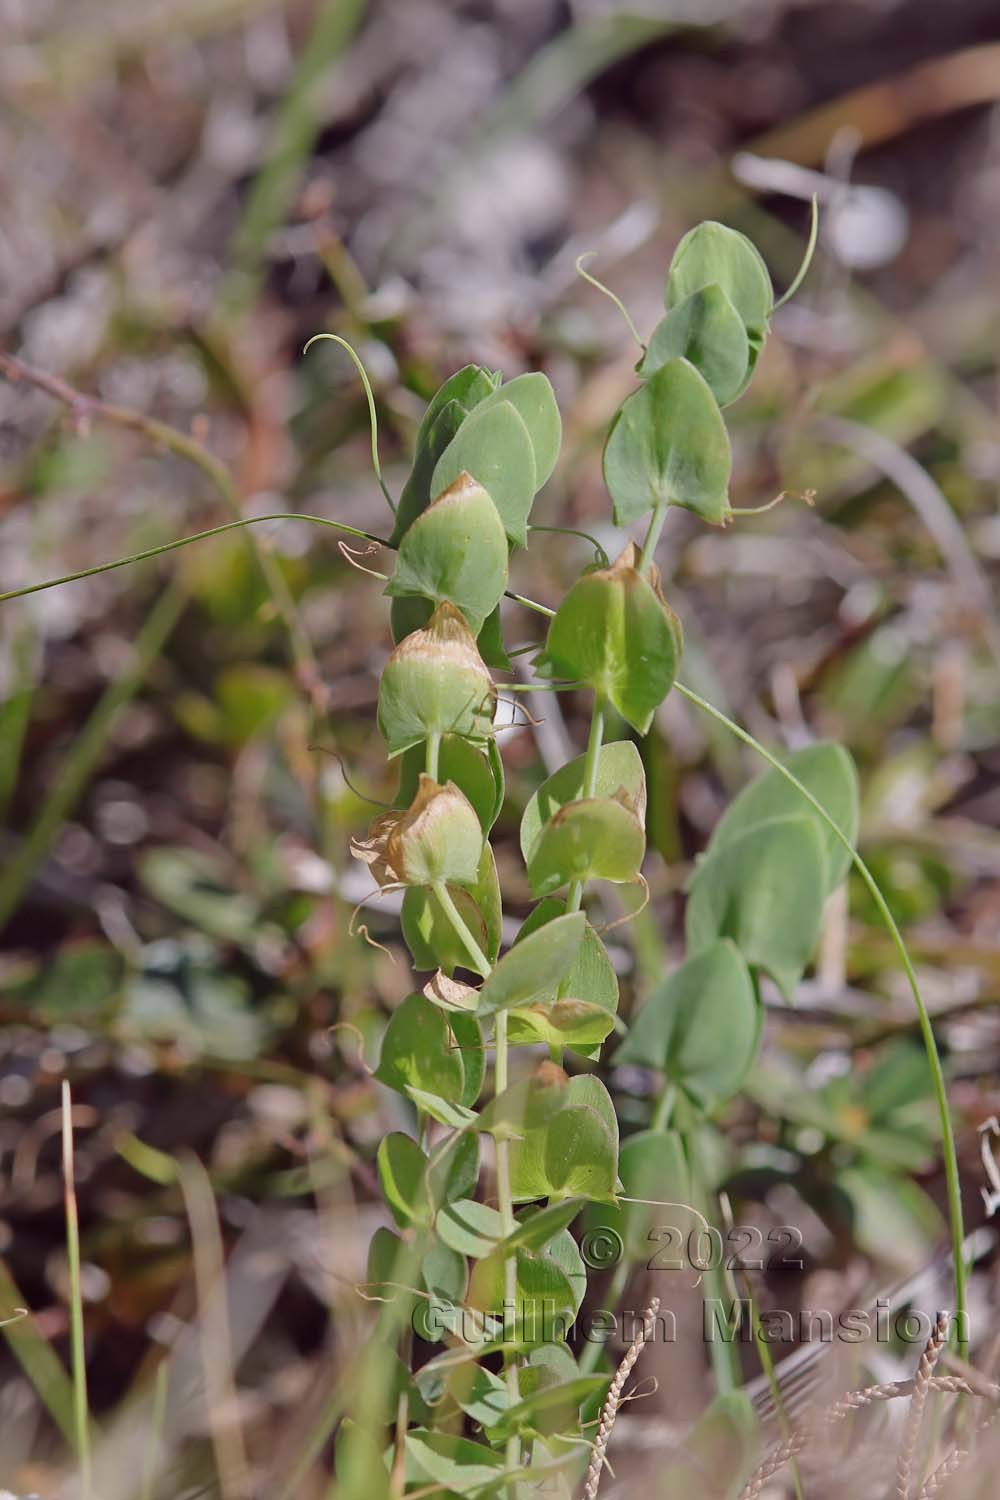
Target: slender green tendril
x,y
807,259
587,255
335,338
184,541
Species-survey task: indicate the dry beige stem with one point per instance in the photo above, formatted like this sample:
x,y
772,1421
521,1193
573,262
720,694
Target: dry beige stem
x,y
613,1401
914,1418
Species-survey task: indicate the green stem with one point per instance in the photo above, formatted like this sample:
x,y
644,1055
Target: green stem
x,y
480,962
78,1347
664,1108
656,521
505,1201
952,1178
433,754
722,1353
593,1349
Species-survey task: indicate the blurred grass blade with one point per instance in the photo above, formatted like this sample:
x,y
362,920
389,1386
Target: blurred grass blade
x,y
215,1337
78,1345
15,711
295,131
34,1354
82,760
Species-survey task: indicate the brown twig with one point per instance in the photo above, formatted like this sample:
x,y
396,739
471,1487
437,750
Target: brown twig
x,y
613,1401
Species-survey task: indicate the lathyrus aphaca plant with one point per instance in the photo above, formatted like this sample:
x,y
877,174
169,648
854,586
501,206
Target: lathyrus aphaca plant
x,y
482,1272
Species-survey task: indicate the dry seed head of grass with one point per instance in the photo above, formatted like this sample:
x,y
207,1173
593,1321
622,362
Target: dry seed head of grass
x,y
807,1436
614,1400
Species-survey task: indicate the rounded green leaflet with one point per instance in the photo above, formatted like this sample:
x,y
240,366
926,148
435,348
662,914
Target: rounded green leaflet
x,y
544,1303
551,1410
539,960
401,1174
700,1027
827,771
712,254
459,761
615,632
668,445
577,1024
387,1254
443,416
418,1051
468,1043
445,1276
597,838
765,889
619,767
652,1165
580,1157
706,330
456,550
490,643
453,1170
565,1252
538,1227
494,446
534,400
469,1228
482,1395
456,1464
577,1158
436,683
590,980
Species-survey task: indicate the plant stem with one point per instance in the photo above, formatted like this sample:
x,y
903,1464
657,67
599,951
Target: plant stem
x,y
593,1350
154,1437
722,1353
480,962
505,1203
656,521
664,1108
591,766
952,1178
81,1420
433,753
505,1200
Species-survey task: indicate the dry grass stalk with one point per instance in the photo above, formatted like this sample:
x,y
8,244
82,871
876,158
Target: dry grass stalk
x,y
914,1418
805,1436
614,1398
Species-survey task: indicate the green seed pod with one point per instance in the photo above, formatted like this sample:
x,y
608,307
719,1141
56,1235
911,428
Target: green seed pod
x,y
438,838
596,838
615,632
456,550
435,683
